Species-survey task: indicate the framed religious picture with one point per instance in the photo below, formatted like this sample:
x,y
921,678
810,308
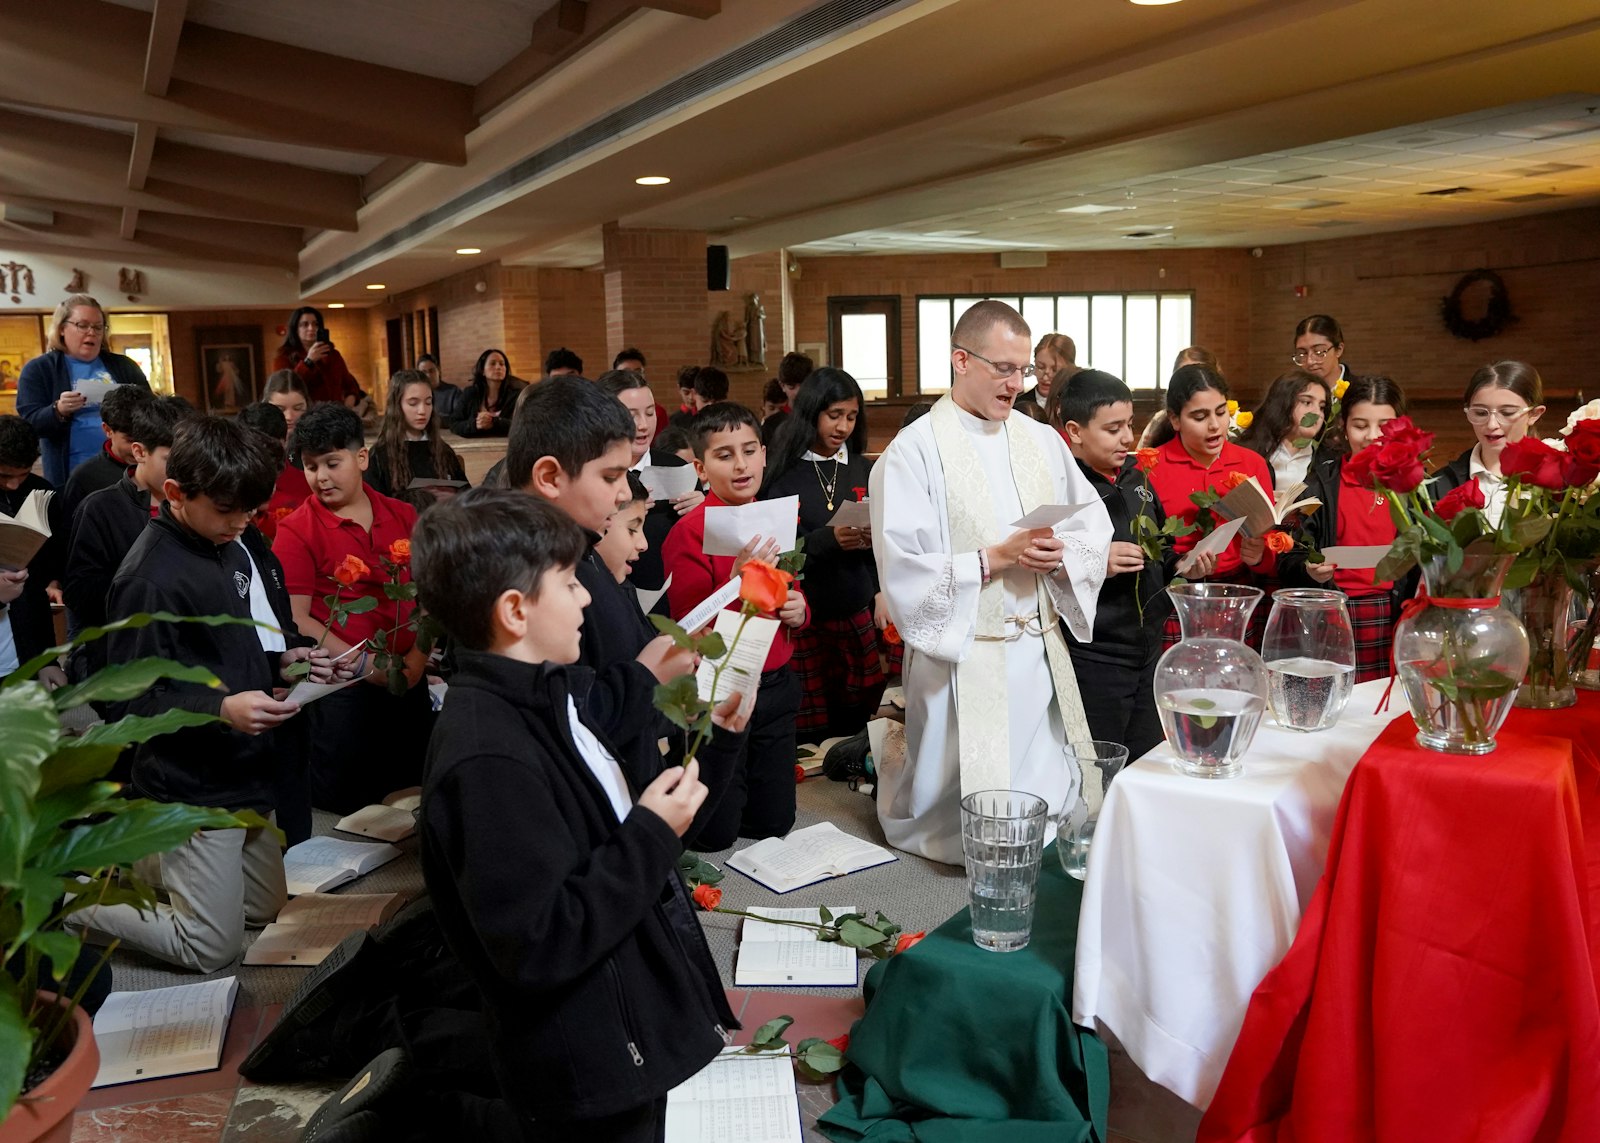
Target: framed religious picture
x,y
21,340
230,362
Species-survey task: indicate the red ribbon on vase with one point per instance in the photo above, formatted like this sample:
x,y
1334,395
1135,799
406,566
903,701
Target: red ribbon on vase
x,y
1415,606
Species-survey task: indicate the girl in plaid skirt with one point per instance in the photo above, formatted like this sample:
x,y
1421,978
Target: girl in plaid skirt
x,y
819,455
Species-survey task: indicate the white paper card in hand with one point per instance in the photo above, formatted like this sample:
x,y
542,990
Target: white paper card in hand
x,y
710,607
306,692
1049,515
745,660
1355,557
650,596
669,483
94,389
852,514
1214,544
729,527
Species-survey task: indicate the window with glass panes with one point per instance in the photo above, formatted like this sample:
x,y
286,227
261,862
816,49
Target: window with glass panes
x,y
1133,336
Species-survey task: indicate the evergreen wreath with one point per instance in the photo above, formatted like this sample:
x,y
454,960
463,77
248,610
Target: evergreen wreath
x,y
1496,315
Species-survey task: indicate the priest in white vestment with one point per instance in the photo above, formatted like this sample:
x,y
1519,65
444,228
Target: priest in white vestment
x,y
991,698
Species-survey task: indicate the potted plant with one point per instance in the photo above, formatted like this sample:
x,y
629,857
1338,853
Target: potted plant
x,y
68,840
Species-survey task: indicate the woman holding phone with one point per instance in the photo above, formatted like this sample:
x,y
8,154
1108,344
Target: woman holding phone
x,y
308,351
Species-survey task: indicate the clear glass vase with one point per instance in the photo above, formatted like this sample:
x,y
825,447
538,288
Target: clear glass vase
x,y
1462,656
1545,608
1211,689
1586,627
1310,653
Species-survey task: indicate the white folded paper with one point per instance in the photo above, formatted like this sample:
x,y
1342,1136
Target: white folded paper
x,y
1049,515
710,606
744,660
669,483
1216,542
1355,557
650,596
852,514
729,527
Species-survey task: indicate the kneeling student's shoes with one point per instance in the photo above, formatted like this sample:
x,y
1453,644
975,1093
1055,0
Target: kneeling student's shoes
x,y
358,1111
302,1044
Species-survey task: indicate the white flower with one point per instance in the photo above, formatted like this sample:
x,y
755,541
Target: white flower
x,y
1556,443
1589,412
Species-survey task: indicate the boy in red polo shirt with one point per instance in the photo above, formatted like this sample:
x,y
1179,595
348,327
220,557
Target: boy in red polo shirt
x,y
757,800
367,742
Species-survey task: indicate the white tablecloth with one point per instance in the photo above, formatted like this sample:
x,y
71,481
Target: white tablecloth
x,y
1196,888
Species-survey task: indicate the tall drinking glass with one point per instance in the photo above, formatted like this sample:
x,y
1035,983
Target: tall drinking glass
x,y
1310,653
1002,838
1099,762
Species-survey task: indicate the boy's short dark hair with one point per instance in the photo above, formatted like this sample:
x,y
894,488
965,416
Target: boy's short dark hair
x,y
773,394
470,549
266,418
155,421
562,358
19,443
116,410
615,381
686,376
1085,392
711,384
636,489
328,427
794,368
223,461
720,418
564,417
629,354
671,439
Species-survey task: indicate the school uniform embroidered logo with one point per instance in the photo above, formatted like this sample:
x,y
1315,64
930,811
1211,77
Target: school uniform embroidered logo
x,y
241,582
1144,493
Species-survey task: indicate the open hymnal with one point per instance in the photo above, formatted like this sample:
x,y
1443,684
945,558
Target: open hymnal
x,y
322,863
785,955
736,1098
386,823
810,758
744,660
22,535
311,926
163,1031
729,527
1260,510
807,856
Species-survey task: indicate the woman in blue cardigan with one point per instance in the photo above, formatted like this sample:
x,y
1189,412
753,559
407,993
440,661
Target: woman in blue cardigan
x,y
48,394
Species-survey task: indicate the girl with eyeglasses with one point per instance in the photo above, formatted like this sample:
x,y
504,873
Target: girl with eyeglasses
x,y
1279,430
1502,403
1319,349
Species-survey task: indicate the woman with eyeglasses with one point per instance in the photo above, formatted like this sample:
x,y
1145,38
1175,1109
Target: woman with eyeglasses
x,y
1502,403
1319,349
1286,424
59,391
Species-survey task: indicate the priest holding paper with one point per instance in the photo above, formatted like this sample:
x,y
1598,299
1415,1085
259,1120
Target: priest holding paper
x,y
991,698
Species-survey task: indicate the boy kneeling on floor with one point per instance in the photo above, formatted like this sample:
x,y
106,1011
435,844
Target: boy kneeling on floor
x,y
552,870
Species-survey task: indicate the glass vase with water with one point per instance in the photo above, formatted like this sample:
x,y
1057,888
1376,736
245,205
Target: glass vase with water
x,y
1210,688
1310,652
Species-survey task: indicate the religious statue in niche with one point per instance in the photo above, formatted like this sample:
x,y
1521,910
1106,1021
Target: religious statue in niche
x,y
18,277
79,283
727,341
755,335
130,281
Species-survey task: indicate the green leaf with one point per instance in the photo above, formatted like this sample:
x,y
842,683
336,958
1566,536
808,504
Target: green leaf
x,y
16,1045
70,804
826,914
713,646
132,623
402,592
297,670
1454,557
769,1037
858,934
360,605
29,729
1202,704
680,702
74,766
138,831
29,906
680,638
62,948
136,728
816,1059
120,682
1308,421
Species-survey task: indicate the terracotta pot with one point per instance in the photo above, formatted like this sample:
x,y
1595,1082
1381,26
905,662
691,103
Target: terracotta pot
x,y
44,1115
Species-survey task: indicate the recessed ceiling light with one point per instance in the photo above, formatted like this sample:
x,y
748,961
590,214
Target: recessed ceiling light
x,y
652,180
468,250
1152,3
336,305
376,286
1092,208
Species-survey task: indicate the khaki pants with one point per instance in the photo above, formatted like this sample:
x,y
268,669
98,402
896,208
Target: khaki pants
x,y
215,884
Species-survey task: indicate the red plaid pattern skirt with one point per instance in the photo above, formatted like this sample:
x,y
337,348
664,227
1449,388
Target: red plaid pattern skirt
x,y
1173,631
837,662
1373,618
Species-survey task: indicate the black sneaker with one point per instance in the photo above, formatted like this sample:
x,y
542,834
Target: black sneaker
x,y
850,760
358,1110
301,1045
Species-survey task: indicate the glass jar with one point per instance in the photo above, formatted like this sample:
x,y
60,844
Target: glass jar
x,y
1310,653
1211,689
1545,608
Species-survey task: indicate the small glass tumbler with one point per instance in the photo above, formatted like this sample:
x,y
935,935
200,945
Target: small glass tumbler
x,y
1099,762
1002,839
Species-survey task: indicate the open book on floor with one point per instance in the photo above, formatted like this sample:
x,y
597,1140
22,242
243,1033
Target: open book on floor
x,y
789,956
394,820
807,856
736,1098
163,1031
311,926
322,863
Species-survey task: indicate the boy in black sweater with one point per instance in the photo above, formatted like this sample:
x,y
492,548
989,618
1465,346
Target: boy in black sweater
x,y
26,626
116,457
550,859
187,562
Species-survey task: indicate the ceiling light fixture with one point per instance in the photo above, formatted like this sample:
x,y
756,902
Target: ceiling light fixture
x,y
336,305
376,286
468,250
652,180
1152,3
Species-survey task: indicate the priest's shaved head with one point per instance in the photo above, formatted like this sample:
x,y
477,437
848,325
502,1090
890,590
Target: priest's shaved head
x,y
975,326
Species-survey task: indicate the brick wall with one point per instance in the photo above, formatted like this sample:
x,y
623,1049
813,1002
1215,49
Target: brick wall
x,y
760,274
470,321
572,312
655,296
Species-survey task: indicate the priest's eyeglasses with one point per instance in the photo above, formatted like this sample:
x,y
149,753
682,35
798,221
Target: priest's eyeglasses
x,y
1002,369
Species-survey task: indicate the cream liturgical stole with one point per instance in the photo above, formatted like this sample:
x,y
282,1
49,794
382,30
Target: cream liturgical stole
x,y
982,697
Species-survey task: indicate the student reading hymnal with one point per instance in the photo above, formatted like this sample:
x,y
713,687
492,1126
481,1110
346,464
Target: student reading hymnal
x,y
22,535
322,863
162,1032
787,955
807,856
736,1098
311,926
1263,511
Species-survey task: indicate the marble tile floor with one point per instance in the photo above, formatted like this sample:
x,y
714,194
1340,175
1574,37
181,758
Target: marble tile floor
x,y
222,1107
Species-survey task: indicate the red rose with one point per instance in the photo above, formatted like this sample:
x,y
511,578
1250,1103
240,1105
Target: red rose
x,y
841,1042
763,586
907,940
400,553
1358,468
1534,462
351,570
1583,443
1458,500
1404,433
708,897
891,635
799,773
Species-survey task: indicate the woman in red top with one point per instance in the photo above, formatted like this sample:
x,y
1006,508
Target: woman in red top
x,y
1353,515
307,350
1195,454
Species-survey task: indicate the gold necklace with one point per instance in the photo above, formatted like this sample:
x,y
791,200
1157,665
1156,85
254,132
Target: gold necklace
x,y
828,486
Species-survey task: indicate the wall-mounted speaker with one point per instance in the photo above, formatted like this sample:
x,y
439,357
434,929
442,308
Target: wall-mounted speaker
x,y
718,272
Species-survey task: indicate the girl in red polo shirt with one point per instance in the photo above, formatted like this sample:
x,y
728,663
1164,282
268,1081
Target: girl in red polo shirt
x,y
1353,515
1194,454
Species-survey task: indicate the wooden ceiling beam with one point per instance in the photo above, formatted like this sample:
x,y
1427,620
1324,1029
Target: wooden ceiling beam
x,y
144,145
225,83
161,51
94,229
46,157
699,9
130,223
547,48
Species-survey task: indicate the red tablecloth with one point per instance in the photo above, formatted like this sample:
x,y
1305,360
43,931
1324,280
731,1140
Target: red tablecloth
x,y
1442,985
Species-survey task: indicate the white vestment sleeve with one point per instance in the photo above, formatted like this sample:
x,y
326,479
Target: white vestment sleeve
x,y
1075,588
932,595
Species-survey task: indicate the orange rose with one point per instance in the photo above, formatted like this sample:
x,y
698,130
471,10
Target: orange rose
x,y
1279,542
1234,479
1146,459
351,570
280,512
708,897
763,586
907,940
891,636
400,553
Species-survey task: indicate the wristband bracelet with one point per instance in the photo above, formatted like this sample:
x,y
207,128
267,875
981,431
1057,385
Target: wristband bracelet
x,y
983,565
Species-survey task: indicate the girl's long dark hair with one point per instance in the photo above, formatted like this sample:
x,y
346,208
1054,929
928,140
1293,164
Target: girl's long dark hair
x,y
1376,389
823,387
1185,383
391,442
1274,417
